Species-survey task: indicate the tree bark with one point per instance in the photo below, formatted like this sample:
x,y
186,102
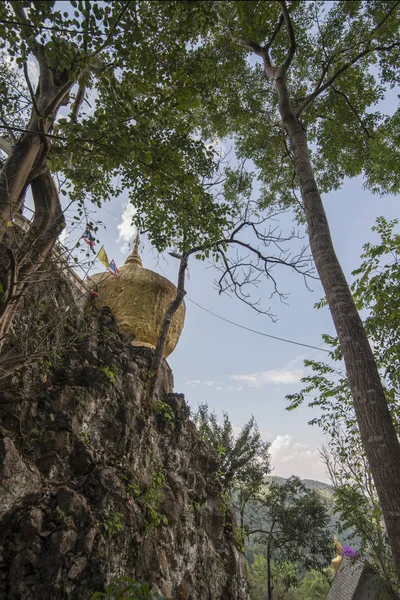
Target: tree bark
x,y
34,248
374,420
27,165
164,329
269,576
14,176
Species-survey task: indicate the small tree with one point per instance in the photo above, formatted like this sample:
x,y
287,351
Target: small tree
x,y
292,522
243,458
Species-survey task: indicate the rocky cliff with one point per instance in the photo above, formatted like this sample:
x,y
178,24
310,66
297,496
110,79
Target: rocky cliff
x,y
96,481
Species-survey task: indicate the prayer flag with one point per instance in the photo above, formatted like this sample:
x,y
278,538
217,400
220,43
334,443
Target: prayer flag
x,y
102,256
113,269
89,239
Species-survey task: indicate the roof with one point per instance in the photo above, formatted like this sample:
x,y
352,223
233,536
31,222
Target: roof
x,y
356,580
346,580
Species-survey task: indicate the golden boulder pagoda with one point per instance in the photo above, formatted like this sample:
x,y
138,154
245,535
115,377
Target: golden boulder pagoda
x,y
138,299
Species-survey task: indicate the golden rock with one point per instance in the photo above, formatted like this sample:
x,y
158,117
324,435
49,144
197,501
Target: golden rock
x,y
138,299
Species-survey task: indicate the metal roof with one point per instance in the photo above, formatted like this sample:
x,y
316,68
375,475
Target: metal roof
x,y
346,580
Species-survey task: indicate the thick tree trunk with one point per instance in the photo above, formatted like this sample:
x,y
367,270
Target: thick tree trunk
x,y
34,248
14,176
378,435
27,165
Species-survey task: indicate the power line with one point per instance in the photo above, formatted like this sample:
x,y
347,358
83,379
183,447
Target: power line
x,y
274,337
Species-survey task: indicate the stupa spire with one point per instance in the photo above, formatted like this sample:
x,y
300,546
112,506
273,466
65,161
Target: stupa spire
x,y
134,258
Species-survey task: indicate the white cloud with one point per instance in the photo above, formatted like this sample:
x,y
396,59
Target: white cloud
x,y
207,382
215,384
292,458
126,230
63,236
272,376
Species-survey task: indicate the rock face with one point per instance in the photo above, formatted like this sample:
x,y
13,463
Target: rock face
x,y
97,482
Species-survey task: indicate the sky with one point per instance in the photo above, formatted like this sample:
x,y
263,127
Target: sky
x,y
238,371
243,373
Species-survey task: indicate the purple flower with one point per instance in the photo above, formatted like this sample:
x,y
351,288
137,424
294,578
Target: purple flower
x,y
350,552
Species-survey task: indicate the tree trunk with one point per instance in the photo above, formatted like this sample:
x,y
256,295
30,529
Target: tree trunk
x,y
378,434
27,165
34,248
269,577
14,176
164,329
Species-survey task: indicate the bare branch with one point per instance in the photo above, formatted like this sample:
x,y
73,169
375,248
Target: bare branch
x,y
58,98
165,325
80,96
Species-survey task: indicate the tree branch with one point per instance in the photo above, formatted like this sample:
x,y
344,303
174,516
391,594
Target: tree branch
x,y
352,108
31,92
249,44
277,29
6,146
292,37
340,71
58,98
165,326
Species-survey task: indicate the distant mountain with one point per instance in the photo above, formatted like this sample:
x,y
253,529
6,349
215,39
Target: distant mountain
x,y
309,483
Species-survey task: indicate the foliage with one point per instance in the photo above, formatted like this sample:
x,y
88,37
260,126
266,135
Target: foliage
x,y
125,588
243,458
315,585
345,128
151,499
112,522
164,412
135,125
288,583
110,372
376,292
292,521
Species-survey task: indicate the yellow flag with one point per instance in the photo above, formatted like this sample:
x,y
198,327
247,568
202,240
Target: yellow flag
x,y
102,256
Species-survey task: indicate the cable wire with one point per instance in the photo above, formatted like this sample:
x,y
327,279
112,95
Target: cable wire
x,y
274,337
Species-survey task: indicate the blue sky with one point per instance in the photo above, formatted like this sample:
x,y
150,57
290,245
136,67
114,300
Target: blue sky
x,y
242,373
